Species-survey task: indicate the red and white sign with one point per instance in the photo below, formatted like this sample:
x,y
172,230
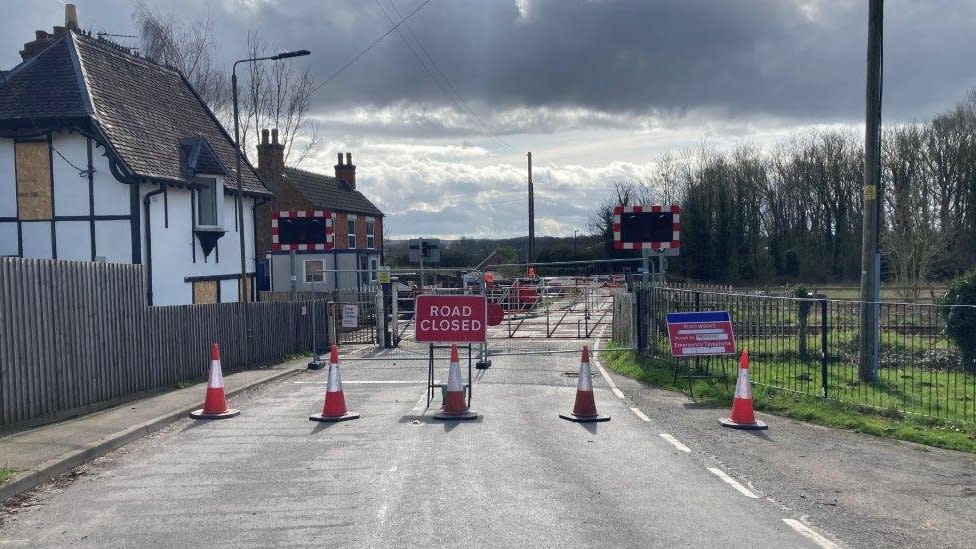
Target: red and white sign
x,y
671,241
450,319
302,230
704,333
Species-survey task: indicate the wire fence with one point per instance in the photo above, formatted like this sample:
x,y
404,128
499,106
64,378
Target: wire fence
x,y
809,346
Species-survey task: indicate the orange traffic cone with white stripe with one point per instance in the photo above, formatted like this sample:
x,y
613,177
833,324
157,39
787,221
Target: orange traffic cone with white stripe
x,y
335,402
215,403
455,405
584,410
742,416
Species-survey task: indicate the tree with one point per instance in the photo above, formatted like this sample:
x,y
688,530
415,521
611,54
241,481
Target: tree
x,y
959,313
276,94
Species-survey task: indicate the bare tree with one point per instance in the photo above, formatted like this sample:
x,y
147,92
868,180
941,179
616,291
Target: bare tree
x,y
189,49
276,94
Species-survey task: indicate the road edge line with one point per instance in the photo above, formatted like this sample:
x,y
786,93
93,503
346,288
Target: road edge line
x,y
810,534
732,482
675,442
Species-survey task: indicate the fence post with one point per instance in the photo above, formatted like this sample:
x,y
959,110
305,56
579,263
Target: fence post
x,y
395,313
380,321
823,348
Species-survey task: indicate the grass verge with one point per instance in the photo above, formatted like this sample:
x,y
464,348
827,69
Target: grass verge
x,y
889,423
6,473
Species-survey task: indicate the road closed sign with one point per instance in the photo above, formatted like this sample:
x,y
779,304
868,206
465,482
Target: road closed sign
x,y
703,333
450,319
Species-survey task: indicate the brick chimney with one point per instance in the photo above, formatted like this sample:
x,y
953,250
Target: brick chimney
x,y
271,159
346,172
43,38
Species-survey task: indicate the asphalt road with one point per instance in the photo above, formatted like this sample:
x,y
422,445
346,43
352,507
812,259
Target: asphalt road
x,y
517,477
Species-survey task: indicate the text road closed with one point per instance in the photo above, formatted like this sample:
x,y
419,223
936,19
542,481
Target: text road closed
x,y
450,319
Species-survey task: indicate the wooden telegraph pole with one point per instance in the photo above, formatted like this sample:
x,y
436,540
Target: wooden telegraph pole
x,y
869,341
531,251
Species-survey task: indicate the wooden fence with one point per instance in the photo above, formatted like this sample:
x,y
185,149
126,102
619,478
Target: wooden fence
x,y
78,336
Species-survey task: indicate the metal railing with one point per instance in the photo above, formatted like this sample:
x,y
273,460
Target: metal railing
x,y
809,346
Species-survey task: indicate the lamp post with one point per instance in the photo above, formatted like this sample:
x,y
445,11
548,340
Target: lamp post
x,y
574,243
240,189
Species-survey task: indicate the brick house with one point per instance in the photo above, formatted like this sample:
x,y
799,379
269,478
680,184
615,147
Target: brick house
x,y
356,224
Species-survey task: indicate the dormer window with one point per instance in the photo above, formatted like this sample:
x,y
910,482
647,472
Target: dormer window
x,y
209,194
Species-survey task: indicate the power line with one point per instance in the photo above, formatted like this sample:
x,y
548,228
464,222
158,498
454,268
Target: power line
x,y
13,93
362,53
454,95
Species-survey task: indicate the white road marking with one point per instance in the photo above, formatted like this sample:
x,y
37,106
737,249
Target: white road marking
x,y
640,414
421,404
732,482
675,442
810,534
613,386
363,382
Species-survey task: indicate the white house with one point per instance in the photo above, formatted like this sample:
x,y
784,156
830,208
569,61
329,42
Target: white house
x,y
107,156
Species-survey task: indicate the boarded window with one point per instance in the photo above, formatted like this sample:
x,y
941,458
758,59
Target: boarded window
x,y
33,180
314,270
205,291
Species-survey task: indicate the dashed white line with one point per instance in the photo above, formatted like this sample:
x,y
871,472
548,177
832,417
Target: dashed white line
x,y
613,386
810,534
732,482
421,404
639,414
675,442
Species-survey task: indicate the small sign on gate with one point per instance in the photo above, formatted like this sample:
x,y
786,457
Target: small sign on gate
x,y
350,316
706,333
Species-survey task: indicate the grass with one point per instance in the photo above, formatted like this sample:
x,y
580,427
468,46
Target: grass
x,y
861,417
6,473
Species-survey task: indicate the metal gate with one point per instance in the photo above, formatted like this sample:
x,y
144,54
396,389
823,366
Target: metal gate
x,y
354,316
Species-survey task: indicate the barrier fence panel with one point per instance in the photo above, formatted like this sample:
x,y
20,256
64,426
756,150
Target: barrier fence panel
x,y
77,336
810,346
354,315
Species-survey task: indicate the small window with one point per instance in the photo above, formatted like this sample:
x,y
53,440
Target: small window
x,y
315,270
370,234
351,233
207,202
372,269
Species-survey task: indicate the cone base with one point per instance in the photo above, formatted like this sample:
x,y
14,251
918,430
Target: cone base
x,y
332,419
449,416
482,364
584,419
229,413
756,426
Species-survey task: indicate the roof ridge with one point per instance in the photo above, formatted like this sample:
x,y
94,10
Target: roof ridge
x,y
111,47
33,58
309,172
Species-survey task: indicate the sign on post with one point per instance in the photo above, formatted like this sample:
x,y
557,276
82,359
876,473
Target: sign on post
x,y
705,333
450,319
383,275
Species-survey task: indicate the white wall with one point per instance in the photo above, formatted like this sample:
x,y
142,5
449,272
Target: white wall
x,y
70,188
8,239
74,240
37,239
173,247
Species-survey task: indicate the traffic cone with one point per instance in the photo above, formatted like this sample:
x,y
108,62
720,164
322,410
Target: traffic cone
x,y
455,405
742,416
215,403
335,403
584,411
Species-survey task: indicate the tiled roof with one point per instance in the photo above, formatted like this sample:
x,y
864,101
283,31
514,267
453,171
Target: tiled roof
x,y
61,94
144,109
327,193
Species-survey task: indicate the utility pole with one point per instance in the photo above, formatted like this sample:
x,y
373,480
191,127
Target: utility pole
x,y
531,254
869,340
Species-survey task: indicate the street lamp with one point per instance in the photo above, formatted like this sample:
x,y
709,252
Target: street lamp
x,y
240,186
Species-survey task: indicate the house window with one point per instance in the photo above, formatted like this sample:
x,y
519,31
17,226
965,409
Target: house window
x,y
207,201
351,233
372,270
370,234
315,270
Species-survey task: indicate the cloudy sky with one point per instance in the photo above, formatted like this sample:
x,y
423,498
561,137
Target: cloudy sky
x,y
596,89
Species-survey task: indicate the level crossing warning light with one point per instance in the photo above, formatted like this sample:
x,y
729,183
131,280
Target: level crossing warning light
x,y
656,228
